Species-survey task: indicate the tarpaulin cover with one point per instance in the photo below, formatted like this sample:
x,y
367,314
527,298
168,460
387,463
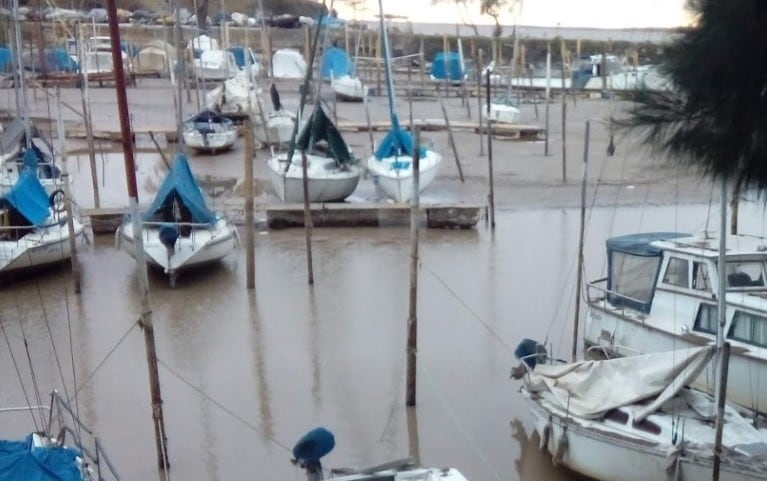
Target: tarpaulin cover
x,y
335,61
641,244
180,185
398,142
28,197
454,68
21,462
6,59
319,127
313,445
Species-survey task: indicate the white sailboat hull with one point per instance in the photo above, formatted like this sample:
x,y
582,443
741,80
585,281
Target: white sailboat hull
x,y
349,89
278,130
507,114
397,183
44,245
325,181
609,456
202,246
213,142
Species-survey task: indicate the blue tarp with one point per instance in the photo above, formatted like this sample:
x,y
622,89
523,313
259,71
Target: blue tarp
x,y
332,22
456,70
6,59
397,142
239,55
28,196
337,61
314,445
58,60
19,461
180,185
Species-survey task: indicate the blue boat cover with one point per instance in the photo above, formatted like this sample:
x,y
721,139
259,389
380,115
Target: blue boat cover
x,y
456,70
58,60
337,61
239,55
313,445
398,142
640,244
6,59
181,186
20,461
29,198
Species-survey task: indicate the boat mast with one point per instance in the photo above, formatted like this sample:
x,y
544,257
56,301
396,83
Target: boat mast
x,y
161,440
20,66
387,70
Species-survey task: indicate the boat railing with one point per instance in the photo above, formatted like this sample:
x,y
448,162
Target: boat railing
x,y
208,225
606,298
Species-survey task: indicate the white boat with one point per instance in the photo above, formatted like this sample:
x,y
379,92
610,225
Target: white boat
x,y
276,127
288,63
62,448
660,293
33,232
98,57
633,419
348,88
179,230
332,173
503,109
209,132
391,165
215,65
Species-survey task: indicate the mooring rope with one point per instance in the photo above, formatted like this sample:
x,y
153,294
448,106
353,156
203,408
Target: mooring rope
x,y
18,374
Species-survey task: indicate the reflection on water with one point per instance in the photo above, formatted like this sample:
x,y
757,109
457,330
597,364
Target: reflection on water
x,y
245,374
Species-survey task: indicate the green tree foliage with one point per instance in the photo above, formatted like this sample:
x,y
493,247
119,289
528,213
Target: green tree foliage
x,y
714,118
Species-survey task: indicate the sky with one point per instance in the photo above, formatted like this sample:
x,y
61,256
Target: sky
x,y
566,13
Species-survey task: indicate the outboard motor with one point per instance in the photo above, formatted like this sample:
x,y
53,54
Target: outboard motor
x,y
531,353
310,448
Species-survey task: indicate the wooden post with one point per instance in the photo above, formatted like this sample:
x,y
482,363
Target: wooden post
x,y
67,195
447,64
721,396
579,275
89,133
564,138
306,41
422,64
378,64
412,320
479,101
491,194
307,219
250,235
451,139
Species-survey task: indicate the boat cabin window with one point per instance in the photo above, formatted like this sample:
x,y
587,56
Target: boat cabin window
x,y
632,278
677,273
705,321
745,274
701,281
646,426
749,328
617,416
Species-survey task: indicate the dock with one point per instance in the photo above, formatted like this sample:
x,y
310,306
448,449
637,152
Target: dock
x,y
105,221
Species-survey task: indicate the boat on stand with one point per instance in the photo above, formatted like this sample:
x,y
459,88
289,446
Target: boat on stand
x,y
276,127
660,294
33,228
391,165
179,230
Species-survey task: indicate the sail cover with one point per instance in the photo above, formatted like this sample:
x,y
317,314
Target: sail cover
x,y
29,198
180,185
397,143
19,460
320,128
591,388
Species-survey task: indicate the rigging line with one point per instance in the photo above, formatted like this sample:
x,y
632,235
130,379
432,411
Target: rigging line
x,y
466,306
72,361
708,212
50,337
18,373
103,361
32,375
458,425
225,409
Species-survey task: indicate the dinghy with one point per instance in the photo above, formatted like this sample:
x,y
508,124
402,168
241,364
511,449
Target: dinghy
x,y
209,132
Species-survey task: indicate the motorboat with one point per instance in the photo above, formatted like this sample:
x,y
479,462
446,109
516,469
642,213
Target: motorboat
x,y
33,227
332,173
209,132
215,65
179,230
635,418
660,293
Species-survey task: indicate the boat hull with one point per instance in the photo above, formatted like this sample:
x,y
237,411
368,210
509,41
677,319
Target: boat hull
x,y
397,183
349,89
202,246
278,130
324,184
606,456
507,114
44,246
212,142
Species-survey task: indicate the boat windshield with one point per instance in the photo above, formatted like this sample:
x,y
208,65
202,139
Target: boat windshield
x,y
745,274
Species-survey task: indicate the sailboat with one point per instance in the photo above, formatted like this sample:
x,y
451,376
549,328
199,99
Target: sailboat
x,y
392,162
332,172
276,128
33,231
634,419
344,81
179,230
